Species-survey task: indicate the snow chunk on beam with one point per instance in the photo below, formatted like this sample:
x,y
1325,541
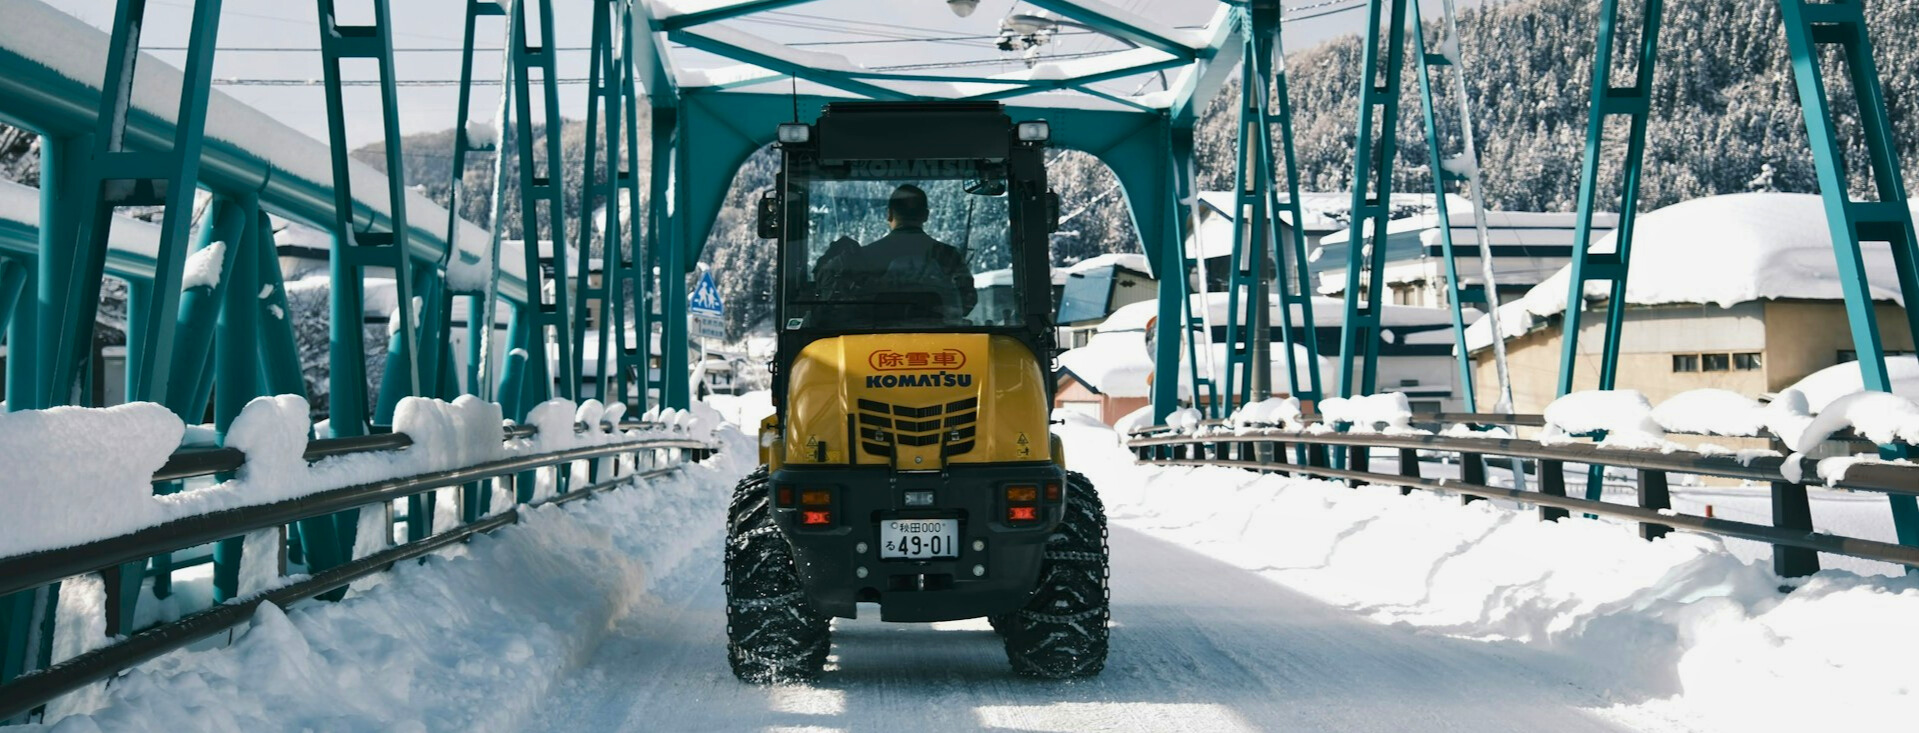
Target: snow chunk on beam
x,y
77,473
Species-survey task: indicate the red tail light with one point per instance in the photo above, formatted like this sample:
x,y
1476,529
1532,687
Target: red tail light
x,y
784,496
813,518
1052,492
1022,513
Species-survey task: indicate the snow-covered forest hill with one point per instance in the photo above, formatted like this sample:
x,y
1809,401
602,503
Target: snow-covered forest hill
x,y
1726,119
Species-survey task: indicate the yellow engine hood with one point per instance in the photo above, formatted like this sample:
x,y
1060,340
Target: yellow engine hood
x,y
916,401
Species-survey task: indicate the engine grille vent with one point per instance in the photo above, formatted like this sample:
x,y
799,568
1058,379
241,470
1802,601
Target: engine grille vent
x,y
882,426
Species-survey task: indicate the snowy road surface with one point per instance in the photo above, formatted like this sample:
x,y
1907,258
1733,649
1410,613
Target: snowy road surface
x,y
1197,645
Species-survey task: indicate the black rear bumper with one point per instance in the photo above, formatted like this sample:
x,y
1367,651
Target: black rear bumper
x,y
997,565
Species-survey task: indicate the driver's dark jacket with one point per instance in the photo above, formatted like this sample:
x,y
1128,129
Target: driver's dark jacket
x,y
905,259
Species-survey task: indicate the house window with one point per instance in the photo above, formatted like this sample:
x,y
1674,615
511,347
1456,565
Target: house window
x,y
1848,355
1424,407
1747,362
1716,362
1685,362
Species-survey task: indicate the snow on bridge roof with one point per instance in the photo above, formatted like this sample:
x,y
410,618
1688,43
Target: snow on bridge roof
x,y
1139,58
1721,250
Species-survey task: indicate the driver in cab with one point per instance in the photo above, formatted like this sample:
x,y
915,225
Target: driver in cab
x,y
923,276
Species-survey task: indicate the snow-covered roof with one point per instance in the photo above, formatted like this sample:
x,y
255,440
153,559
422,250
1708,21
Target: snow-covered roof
x,y
714,43
1129,260
1836,381
1719,250
1322,211
1327,312
1114,364
1514,227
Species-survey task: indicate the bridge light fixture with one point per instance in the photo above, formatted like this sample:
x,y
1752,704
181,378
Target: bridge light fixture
x,y
962,8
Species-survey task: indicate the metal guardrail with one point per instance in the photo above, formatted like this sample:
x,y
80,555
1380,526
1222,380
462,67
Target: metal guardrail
x,y
1794,542
26,571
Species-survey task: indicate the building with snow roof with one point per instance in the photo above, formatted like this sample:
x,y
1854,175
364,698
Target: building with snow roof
x,y
1526,247
1112,373
1737,292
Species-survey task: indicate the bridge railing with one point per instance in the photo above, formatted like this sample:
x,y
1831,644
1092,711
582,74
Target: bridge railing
x,y
1310,450
638,451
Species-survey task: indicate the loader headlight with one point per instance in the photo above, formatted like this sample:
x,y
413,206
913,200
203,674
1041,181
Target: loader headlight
x,y
794,133
1034,132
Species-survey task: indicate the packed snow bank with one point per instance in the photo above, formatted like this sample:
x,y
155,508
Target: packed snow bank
x,y
471,640
62,493
1711,412
1690,631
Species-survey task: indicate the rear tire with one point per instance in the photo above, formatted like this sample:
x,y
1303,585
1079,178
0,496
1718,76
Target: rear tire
x,y
772,632
1061,631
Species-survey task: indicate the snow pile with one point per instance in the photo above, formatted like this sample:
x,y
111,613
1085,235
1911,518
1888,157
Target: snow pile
x,y
1820,388
1387,412
1270,412
1623,414
204,266
1185,420
1687,629
1880,417
1721,250
58,490
475,638
73,497
1711,412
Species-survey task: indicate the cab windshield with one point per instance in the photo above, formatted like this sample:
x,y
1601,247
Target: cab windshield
x,y
917,244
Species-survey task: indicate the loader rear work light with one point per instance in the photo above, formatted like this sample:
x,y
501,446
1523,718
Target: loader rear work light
x,y
1035,132
793,133
816,518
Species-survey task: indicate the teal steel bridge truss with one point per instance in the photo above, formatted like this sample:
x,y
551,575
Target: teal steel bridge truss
x,y
209,347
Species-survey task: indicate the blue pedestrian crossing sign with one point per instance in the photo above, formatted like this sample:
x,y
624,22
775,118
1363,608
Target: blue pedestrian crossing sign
x,y
705,299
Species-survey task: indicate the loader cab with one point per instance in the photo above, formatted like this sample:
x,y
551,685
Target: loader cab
x,y
853,260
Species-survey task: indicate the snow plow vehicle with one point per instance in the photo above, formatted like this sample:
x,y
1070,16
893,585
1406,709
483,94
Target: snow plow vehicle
x,y
910,462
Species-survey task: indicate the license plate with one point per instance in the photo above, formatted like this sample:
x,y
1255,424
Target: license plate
x,y
919,539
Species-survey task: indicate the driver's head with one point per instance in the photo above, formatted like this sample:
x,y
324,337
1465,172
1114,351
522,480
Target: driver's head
x,y
906,207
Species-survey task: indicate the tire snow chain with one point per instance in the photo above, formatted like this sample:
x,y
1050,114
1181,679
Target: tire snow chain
x,y
766,602
1054,619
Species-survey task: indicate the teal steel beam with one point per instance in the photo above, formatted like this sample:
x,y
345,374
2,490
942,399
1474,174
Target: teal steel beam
x,y
829,77
1215,65
480,305
1456,292
13,279
237,369
1246,268
227,225
1108,20
659,238
547,298
602,81
676,260
355,250
1634,103
1885,218
1293,278
1372,196
713,15
115,175
1079,82
628,267
1176,265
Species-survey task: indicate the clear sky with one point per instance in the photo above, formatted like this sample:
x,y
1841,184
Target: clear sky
x,y
276,42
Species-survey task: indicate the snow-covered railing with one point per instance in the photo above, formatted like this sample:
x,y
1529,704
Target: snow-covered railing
x,y
601,455
1278,438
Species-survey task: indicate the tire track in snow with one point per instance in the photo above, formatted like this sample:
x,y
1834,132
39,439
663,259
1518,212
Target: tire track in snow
x,y
1197,645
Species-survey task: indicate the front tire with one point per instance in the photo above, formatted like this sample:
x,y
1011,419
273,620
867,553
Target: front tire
x,y
772,633
1061,631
